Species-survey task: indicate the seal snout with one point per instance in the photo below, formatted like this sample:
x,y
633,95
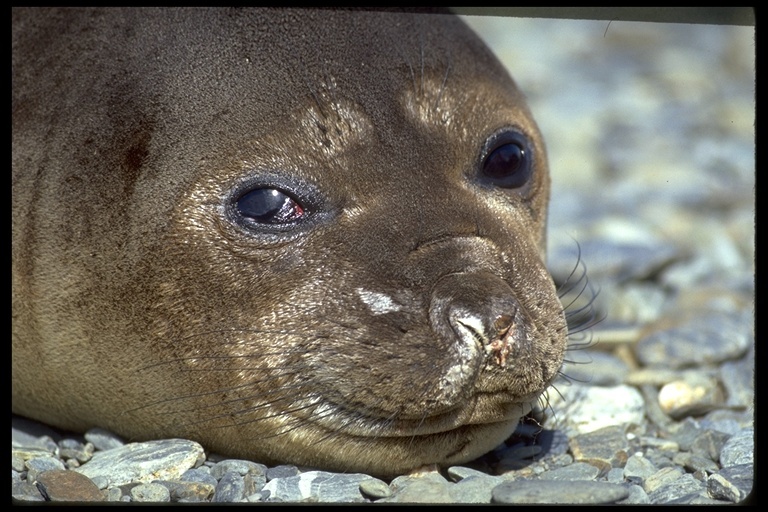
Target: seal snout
x,y
478,312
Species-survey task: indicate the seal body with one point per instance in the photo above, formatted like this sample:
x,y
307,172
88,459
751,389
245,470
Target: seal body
x,y
304,236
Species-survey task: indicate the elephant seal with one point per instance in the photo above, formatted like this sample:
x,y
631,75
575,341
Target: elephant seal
x,y
304,236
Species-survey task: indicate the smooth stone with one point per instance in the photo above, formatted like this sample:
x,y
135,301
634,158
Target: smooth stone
x,y
188,492
603,448
474,489
697,341
41,464
662,477
693,395
282,471
230,489
739,449
103,439
583,409
557,492
241,467
638,468
375,489
681,491
143,462
63,485
318,486
576,471
199,475
709,444
151,492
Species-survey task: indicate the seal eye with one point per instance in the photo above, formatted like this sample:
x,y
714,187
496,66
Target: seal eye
x,y
269,206
508,163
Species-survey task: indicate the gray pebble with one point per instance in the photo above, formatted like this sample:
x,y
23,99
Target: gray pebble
x,y
663,477
428,487
603,448
17,463
709,444
38,465
282,471
151,492
103,439
74,449
636,496
188,492
638,468
458,473
114,494
557,492
142,462
585,408
230,488
601,369
320,486
31,434
474,489
709,339
375,489
199,475
25,491
241,467
695,463
576,471
741,477
739,449
682,490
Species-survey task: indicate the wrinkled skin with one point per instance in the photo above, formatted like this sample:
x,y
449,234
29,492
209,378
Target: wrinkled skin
x,y
399,315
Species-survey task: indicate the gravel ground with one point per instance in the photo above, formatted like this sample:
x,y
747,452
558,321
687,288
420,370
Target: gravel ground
x,y
650,131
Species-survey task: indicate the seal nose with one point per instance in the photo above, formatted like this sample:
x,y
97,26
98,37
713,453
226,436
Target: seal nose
x,y
477,312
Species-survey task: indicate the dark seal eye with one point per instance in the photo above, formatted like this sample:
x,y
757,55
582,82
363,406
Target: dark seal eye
x,y
508,164
269,206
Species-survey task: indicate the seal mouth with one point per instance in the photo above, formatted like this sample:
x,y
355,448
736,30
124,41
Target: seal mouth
x,y
481,409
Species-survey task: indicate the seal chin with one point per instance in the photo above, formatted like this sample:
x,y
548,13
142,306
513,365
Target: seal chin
x,y
481,410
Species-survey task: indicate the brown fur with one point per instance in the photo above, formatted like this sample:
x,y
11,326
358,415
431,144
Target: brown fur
x,y
140,304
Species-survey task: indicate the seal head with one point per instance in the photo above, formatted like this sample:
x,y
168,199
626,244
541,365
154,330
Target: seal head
x,y
305,236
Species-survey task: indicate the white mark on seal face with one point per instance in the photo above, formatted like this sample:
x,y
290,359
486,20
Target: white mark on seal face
x,y
378,303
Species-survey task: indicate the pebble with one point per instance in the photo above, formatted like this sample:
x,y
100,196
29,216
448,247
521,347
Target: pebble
x,y
230,488
142,462
103,439
38,465
152,492
739,449
63,485
657,189
318,486
557,492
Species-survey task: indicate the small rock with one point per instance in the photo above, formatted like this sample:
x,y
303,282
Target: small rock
x,y
152,492
230,488
375,488
709,444
661,478
557,492
63,485
739,449
38,465
604,448
282,471
692,396
143,462
682,490
576,471
319,486
103,439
